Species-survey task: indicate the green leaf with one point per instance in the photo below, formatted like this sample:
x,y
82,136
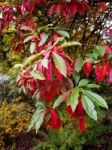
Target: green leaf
x,y
28,38
36,96
83,83
27,61
98,51
1,15
76,77
30,59
95,54
69,44
17,65
32,47
89,107
101,50
96,98
44,39
40,104
45,63
110,56
79,64
63,33
92,86
90,59
59,100
26,28
60,64
39,121
37,75
73,99
35,117
61,115
60,39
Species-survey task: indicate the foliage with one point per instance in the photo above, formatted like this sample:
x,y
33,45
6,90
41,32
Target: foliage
x,y
64,139
60,63
98,135
14,119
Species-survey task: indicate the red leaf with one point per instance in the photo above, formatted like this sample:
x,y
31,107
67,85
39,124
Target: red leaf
x,y
74,65
54,121
82,124
31,85
51,10
99,73
66,14
69,69
108,49
70,112
38,1
109,77
106,69
59,8
49,96
73,7
48,89
56,36
81,115
19,9
29,5
57,48
78,113
49,71
18,47
66,56
23,8
58,74
86,6
40,68
79,8
80,109
87,68
102,6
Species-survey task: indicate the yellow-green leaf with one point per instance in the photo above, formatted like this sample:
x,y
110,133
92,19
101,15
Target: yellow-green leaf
x,y
60,64
96,98
89,107
37,75
73,99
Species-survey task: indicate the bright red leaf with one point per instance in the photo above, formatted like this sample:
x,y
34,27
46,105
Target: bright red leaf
x,y
79,113
99,73
54,122
87,68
